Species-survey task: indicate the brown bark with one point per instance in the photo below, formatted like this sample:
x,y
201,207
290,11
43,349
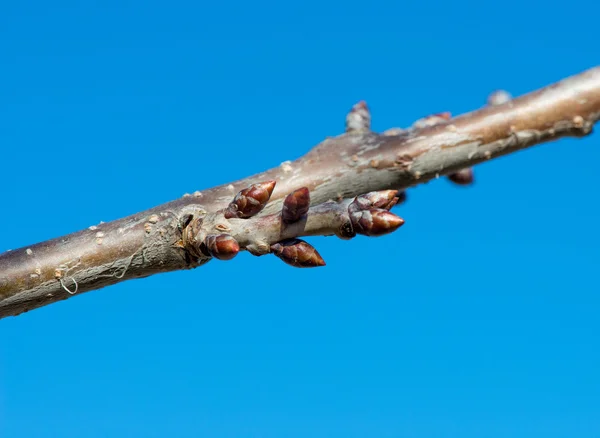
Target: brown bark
x,y
356,162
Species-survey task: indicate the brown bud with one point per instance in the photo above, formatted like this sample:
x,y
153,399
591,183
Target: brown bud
x,y
375,222
295,205
222,246
463,177
498,97
298,253
384,199
359,118
250,201
432,120
345,231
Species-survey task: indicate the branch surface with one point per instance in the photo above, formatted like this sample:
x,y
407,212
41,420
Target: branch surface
x,y
338,169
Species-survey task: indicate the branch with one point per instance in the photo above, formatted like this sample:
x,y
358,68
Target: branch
x,y
184,233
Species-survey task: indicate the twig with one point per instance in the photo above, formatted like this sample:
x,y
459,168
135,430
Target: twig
x,y
343,167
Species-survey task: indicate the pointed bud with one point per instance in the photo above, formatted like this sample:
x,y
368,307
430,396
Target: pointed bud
x,y
250,201
384,199
498,97
375,222
432,120
359,118
298,253
463,177
222,246
295,205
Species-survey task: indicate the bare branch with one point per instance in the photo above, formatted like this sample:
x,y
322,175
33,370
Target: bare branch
x,y
339,168
295,205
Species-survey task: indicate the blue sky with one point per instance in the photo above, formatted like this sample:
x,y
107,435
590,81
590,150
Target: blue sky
x,y
486,321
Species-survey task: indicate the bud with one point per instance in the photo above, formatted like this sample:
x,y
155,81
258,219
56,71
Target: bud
x,y
298,253
432,120
295,205
384,199
375,222
463,177
498,97
359,118
345,231
250,201
222,246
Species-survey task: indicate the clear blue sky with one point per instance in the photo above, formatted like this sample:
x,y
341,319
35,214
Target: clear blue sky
x,y
487,322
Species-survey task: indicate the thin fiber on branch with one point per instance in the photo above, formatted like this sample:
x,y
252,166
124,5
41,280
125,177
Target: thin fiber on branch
x,y
343,186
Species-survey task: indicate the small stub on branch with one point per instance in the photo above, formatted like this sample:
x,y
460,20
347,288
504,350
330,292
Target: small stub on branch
x,y
359,118
498,97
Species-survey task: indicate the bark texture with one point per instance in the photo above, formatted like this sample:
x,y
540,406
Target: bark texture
x,y
339,168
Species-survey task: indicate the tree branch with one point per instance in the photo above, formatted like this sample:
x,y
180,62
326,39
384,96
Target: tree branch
x,y
184,233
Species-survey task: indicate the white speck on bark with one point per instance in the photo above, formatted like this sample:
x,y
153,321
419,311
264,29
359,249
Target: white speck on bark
x,y
286,166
